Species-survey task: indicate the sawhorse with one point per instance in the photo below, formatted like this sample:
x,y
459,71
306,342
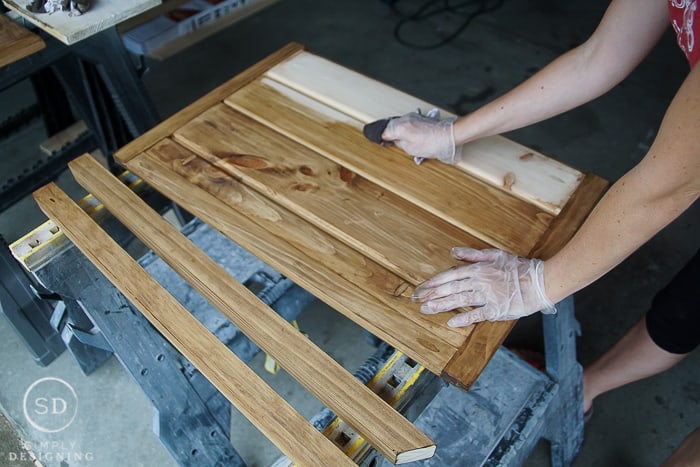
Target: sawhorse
x,y
512,406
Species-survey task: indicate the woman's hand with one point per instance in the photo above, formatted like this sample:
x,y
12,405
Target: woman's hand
x,y
423,136
500,285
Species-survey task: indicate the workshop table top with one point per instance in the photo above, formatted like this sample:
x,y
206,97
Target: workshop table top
x,y
276,160
69,29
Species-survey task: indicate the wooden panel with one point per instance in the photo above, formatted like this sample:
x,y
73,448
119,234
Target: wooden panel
x,y
497,160
482,210
16,42
391,434
386,228
168,126
360,289
70,29
269,412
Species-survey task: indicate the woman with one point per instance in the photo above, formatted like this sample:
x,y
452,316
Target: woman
x,y
641,203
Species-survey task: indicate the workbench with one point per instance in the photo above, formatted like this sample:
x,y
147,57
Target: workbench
x,y
275,160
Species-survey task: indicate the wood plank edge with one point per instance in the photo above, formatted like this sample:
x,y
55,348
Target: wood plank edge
x,y
415,455
564,226
468,362
53,194
172,123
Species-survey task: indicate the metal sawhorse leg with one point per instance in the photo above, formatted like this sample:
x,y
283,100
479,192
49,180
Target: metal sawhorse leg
x,y
512,406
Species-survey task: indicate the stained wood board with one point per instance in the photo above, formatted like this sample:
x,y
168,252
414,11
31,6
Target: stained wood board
x,y
241,386
350,283
16,41
403,238
70,29
391,434
497,160
483,210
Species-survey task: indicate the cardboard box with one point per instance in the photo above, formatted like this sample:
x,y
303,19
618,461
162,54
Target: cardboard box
x,y
182,20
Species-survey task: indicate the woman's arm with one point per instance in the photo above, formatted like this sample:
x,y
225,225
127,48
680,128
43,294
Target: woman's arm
x,y
628,31
646,199
625,35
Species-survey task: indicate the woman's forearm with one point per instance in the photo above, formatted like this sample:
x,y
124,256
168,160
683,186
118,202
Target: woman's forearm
x,y
646,199
622,222
629,29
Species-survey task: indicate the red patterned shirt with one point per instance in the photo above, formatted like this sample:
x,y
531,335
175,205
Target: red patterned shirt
x,y
686,23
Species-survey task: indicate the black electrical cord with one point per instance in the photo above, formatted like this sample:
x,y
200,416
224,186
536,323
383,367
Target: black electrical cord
x,y
431,8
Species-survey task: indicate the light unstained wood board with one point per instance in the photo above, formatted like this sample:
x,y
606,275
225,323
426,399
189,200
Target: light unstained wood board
x,y
483,210
499,161
377,422
269,412
16,41
70,29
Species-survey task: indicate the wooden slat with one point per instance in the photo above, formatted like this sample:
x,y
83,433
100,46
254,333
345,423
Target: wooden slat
x,y
360,289
16,42
269,412
497,160
472,358
391,434
168,126
476,207
386,228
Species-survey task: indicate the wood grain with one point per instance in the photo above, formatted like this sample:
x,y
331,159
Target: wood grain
x,y
391,434
478,208
269,412
400,236
16,42
360,289
531,176
169,125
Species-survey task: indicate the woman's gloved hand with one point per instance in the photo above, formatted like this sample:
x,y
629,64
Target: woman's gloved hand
x,y
423,136
502,286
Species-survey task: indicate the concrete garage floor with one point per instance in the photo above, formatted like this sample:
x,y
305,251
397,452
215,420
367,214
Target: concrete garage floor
x,y
638,425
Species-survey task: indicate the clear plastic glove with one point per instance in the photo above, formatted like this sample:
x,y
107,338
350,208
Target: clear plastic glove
x,y
502,286
423,136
